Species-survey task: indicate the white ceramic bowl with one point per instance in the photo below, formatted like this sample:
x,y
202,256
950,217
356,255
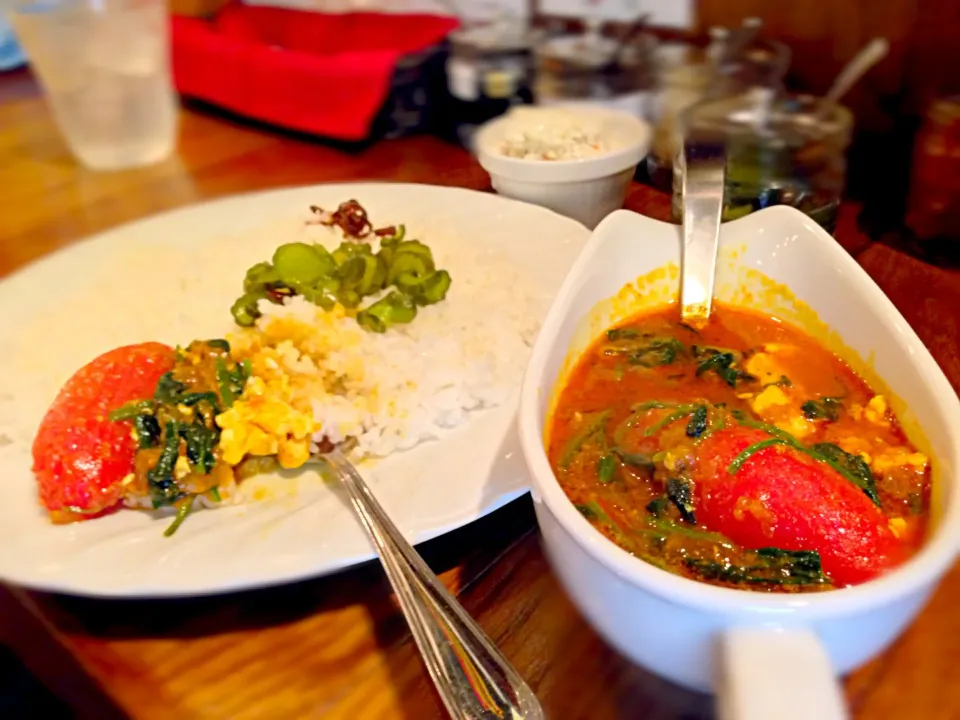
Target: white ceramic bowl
x,y
587,189
752,648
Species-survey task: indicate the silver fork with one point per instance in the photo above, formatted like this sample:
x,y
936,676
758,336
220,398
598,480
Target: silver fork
x,y
473,678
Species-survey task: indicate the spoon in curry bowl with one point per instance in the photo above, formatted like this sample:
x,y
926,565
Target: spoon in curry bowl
x,y
704,160
474,679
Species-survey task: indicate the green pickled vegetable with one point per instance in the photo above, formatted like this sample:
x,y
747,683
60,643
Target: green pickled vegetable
x,y
323,293
260,276
409,265
350,271
434,288
346,276
347,250
302,264
349,298
391,309
374,274
395,238
245,311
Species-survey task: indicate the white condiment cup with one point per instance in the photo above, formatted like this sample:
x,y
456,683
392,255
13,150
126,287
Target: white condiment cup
x,y
766,655
586,189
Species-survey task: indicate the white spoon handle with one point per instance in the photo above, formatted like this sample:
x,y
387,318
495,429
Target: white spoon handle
x,y
782,674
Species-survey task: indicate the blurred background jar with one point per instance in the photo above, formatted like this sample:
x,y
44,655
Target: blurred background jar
x,y
489,70
592,69
735,61
933,209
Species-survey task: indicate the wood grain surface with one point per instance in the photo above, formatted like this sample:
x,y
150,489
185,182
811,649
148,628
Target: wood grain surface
x,y
338,647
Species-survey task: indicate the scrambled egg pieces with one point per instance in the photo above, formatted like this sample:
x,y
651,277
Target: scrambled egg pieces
x,y
875,411
265,422
773,403
274,416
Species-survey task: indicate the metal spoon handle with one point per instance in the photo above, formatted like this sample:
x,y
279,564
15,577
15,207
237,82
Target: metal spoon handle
x,y
704,168
474,680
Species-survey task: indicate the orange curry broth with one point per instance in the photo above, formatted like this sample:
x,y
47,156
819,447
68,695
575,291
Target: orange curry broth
x,y
778,356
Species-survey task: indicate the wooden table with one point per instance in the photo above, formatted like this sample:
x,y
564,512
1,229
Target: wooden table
x,y
338,646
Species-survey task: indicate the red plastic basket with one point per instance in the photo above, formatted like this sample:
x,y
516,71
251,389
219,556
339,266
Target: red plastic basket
x,y
323,74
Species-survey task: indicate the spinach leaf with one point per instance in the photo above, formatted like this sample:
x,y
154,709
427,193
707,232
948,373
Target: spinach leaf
x,y
772,566
852,467
680,494
659,352
133,410
698,422
652,405
658,506
784,381
219,344
182,512
641,461
193,398
225,381
681,412
664,527
163,486
915,503
593,512
201,441
722,364
827,408
606,468
644,349
593,425
734,467
169,390
622,334
148,431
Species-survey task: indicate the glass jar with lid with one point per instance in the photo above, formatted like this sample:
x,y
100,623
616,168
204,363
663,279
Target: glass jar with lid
x,y
782,149
590,69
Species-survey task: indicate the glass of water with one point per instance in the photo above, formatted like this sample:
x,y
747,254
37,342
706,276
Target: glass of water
x,y
105,67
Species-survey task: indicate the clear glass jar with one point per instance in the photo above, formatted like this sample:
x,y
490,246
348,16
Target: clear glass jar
x,y
689,77
681,83
781,150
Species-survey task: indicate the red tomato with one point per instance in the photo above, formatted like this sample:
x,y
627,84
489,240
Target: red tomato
x,y
79,454
781,498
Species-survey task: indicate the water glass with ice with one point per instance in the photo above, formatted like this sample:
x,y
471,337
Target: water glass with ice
x,y
105,68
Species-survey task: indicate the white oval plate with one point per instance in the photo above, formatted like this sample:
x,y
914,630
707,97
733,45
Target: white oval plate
x,y
139,282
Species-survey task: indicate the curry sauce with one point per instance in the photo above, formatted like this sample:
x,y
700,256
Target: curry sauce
x,y
683,446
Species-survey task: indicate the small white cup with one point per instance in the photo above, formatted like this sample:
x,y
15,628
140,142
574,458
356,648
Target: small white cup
x,y
585,189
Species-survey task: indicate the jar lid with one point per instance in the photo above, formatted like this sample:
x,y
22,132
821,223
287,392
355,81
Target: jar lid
x,y
492,38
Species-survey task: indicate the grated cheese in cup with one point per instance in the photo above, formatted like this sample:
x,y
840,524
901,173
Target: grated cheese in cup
x,y
557,136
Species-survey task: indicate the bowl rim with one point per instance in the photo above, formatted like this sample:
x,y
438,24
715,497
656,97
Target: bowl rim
x,y
920,571
554,172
